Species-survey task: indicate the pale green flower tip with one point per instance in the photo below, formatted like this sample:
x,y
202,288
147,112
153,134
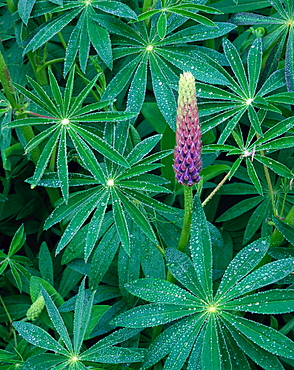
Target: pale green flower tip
x,y
36,308
187,89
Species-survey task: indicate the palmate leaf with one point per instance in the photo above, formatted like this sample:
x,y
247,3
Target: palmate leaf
x,y
66,125
103,351
85,33
159,54
207,330
278,40
123,189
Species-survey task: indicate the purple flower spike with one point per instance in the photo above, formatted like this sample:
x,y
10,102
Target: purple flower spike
x,y
187,153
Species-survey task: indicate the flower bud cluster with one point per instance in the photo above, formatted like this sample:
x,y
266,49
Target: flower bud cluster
x,y
187,153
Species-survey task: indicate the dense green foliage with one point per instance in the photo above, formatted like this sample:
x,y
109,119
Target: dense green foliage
x,y
94,272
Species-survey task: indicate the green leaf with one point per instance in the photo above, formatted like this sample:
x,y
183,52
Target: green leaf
x,y
235,351
281,143
264,336
211,359
142,149
235,62
274,301
198,33
182,347
254,60
43,361
39,337
196,17
78,220
283,98
68,91
164,95
25,8
116,8
16,276
289,61
56,91
95,224
161,25
275,166
62,165
51,28
73,44
256,353
257,218
164,343
43,101
56,320
121,79
87,157
265,275
196,7
120,221
137,170
120,28
101,146
253,176
149,202
275,81
240,208
147,14
137,216
17,242
161,291
84,46
45,263
183,270
100,39
137,89
200,246
285,229
152,314
76,201
45,158
244,262
116,355
142,185
103,256
82,316
39,138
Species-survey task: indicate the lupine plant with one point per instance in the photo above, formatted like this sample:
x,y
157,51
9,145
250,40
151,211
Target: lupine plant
x,y
147,205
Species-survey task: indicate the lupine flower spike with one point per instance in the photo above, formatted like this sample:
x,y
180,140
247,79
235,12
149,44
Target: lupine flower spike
x,y
187,153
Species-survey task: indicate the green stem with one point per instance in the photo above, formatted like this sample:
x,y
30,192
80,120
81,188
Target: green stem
x,y
5,80
188,206
185,234
216,189
49,62
62,40
10,320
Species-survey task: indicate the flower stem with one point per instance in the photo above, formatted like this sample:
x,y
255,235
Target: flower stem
x,y
185,234
188,206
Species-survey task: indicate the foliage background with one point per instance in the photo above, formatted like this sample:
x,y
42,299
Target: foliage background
x,y
90,212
